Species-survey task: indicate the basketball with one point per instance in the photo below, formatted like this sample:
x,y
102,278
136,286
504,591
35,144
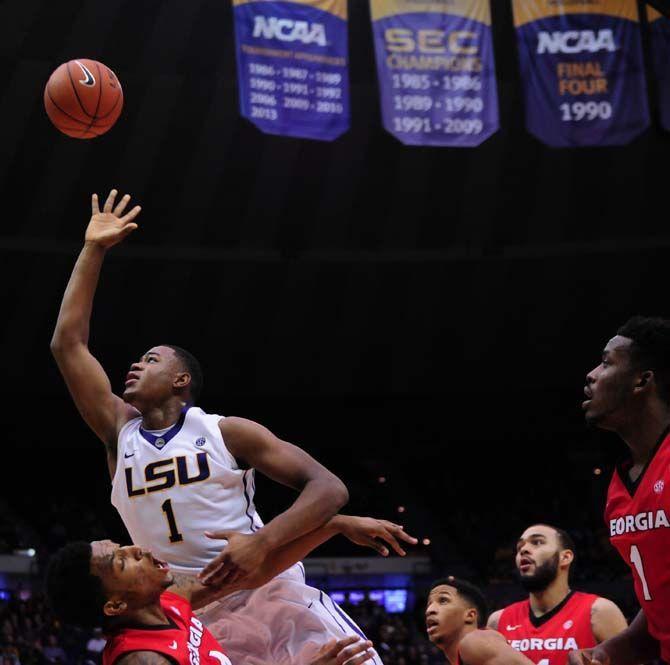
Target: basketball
x,y
83,98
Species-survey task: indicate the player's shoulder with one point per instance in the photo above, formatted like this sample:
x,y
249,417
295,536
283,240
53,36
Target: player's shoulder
x,y
602,605
478,641
494,619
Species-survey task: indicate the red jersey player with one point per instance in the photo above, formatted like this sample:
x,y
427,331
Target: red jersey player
x,y
629,393
147,611
553,620
455,617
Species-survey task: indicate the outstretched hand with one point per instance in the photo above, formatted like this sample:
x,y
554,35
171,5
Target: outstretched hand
x,y
370,532
350,650
111,226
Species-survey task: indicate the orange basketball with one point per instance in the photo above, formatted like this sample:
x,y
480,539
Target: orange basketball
x,y
83,98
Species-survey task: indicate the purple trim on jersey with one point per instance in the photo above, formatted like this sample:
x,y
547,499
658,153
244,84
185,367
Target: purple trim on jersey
x,y
342,628
170,434
348,621
254,528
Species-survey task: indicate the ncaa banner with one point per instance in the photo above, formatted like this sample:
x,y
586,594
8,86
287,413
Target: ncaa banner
x,y
292,65
436,71
582,70
659,28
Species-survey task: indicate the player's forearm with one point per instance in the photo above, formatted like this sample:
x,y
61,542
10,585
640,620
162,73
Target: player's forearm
x,y
74,317
634,645
318,502
275,563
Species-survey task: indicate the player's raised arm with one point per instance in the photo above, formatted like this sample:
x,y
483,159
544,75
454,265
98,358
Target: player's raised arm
x,y
86,380
322,494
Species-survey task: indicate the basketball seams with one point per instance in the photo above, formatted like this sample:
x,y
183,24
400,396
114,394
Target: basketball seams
x,y
74,88
51,99
116,103
97,106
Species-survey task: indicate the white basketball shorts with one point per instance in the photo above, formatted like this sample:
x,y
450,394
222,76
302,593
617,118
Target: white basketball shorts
x,y
284,622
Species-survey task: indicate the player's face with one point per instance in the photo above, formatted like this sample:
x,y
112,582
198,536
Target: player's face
x,y
151,380
130,574
609,386
537,557
446,614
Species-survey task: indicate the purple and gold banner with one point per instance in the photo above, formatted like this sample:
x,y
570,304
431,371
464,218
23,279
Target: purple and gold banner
x,y
582,70
292,64
659,28
436,71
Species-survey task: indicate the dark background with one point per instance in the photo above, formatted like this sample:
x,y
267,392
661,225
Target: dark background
x,y
423,314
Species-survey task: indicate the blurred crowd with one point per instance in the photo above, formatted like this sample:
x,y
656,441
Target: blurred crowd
x,y
30,635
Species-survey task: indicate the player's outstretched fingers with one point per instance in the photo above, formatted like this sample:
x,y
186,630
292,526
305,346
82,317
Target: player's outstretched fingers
x,y
109,203
95,208
399,532
388,536
376,545
121,206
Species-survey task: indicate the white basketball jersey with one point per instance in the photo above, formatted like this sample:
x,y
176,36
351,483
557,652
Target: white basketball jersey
x,y
170,489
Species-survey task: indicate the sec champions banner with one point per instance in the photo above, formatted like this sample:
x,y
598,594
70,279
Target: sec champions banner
x,y
659,27
582,70
292,65
436,70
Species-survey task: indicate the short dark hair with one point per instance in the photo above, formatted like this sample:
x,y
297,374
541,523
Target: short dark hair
x,y
192,367
469,592
651,348
75,594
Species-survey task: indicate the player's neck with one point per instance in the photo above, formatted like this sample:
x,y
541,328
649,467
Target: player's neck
x,y
643,432
544,601
162,416
150,615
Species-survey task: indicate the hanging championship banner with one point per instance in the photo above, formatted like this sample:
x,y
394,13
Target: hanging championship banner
x,y
436,70
292,66
659,28
582,70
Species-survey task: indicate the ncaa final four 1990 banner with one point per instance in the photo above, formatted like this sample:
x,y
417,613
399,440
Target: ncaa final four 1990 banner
x,y
292,66
582,70
659,27
436,70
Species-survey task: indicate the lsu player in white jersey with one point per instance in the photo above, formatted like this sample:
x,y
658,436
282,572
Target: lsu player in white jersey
x,y
178,473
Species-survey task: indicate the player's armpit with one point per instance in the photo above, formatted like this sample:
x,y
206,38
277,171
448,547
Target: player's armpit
x,y
494,620
488,647
143,658
607,620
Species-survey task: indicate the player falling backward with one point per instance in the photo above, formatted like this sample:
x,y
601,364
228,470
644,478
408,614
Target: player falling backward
x,y
179,473
553,620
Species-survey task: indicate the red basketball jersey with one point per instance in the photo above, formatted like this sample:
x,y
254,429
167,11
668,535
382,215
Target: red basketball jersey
x,y
638,519
547,640
184,641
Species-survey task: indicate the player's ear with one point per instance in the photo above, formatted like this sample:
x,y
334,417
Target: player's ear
x,y
115,607
182,380
470,616
566,557
644,381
